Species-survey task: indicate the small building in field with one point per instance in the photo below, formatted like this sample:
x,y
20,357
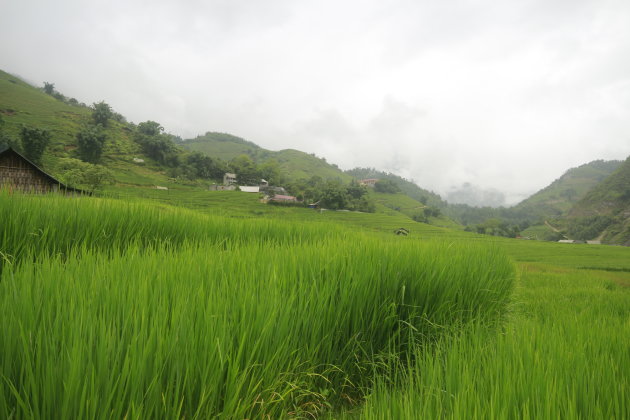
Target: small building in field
x,y
369,182
19,173
215,187
249,189
283,198
571,241
229,178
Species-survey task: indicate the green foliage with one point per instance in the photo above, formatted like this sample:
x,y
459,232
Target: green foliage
x,y
91,141
128,300
246,170
6,140
406,186
205,166
588,227
333,194
49,88
157,145
34,142
387,186
83,175
101,113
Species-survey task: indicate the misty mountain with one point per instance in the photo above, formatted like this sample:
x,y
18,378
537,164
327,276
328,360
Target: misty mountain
x,y
553,201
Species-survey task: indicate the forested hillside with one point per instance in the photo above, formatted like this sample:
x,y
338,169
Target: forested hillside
x,y
605,210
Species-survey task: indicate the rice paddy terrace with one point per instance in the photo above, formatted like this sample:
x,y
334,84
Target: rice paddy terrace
x,y
138,309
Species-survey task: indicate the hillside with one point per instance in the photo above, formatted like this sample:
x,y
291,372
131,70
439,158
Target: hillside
x,y
24,105
552,203
408,187
293,163
605,210
558,197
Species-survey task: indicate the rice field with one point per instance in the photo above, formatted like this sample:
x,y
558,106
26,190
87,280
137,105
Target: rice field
x,y
129,310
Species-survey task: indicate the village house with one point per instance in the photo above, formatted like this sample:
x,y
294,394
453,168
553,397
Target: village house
x,y
229,178
249,189
19,173
283,198
369,182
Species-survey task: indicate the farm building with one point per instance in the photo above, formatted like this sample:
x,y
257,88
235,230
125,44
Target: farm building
x,y
369,182
17,172
249,188
229,178
571,241
283,198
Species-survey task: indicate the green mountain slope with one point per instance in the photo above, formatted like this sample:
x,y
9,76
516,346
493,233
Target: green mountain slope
x,y
293,163
409,188
605,210
24,105
558,197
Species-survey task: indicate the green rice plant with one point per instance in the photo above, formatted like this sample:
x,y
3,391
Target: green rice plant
x,y
204,330
563,354
53,224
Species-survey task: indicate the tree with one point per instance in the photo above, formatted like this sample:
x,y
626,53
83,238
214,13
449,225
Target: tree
x,y
204,166
34,142
49,88
333,195
246,170
91,140
101,113
156,144
386,186
356,190
150,128
6,140
270,171
84,175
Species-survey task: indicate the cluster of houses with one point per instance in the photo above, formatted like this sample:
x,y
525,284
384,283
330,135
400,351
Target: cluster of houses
x,y
272,193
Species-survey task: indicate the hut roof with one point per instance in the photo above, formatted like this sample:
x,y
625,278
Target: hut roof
x,y
6,150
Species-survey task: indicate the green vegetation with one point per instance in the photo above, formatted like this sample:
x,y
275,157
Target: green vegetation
x,y
605,210
143,313
563,354
90,143
129,309
406,186
558,198
34,141
293,164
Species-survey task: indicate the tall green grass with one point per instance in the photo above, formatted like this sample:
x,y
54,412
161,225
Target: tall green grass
x,y
238,320
53,224
564,354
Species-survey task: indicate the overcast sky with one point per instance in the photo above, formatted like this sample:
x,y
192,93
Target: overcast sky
x,y
505,95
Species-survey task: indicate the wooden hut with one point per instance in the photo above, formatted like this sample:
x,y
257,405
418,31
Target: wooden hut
x,y
19,173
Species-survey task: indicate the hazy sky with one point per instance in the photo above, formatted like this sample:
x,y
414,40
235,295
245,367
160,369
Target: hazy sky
x,y
505,95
